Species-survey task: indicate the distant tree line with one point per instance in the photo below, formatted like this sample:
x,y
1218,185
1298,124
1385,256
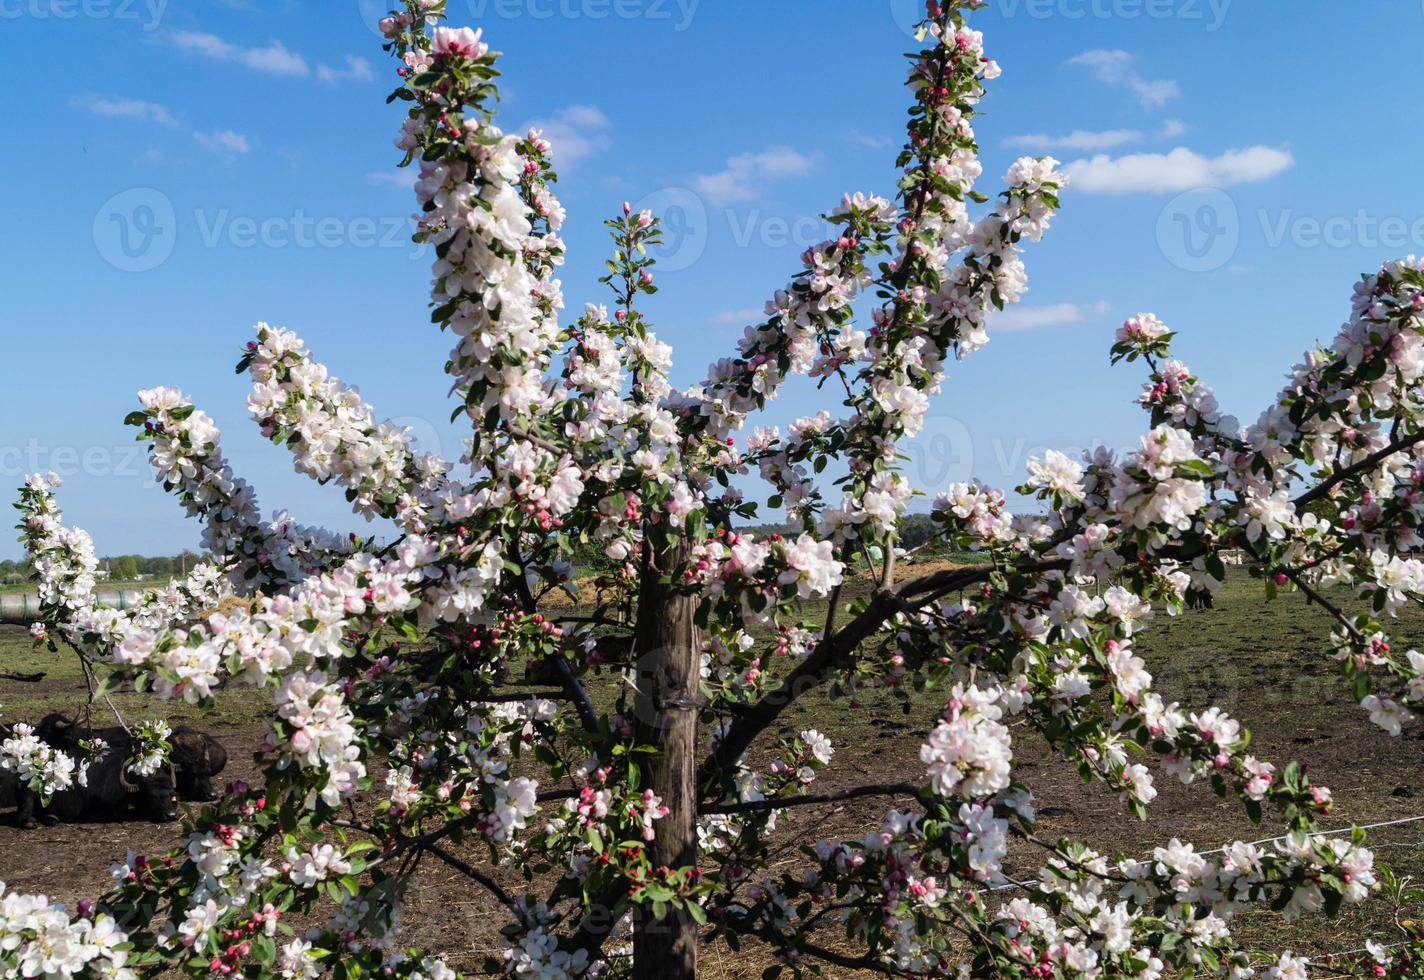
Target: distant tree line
x,y
915,530
120,568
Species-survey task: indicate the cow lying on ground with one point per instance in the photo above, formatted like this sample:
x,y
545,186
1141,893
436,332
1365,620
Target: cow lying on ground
x,y
107,792
196,756
110,791
7,778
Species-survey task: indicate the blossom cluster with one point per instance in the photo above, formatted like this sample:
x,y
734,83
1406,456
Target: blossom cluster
x,y
40,939
37,765
333,434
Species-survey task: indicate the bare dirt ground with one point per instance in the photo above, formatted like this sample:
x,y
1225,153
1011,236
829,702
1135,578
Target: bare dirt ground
x,y
1262,662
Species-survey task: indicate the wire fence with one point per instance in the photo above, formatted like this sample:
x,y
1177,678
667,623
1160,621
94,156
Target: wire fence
x,y
1317,958
1010,885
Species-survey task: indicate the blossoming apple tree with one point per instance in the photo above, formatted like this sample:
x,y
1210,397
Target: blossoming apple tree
x,y
606,773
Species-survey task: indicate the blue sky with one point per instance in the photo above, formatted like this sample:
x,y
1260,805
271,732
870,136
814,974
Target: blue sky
x,y
175,172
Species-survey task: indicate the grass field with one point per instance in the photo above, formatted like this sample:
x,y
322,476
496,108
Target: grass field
x,y
63,689
1263,662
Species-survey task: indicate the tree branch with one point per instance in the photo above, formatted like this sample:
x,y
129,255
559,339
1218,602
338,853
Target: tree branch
x,y
474,874
763,806
539,441
926,588
598,920
512,697
863,962
1324,603
23,678
833,650
570,683
587,715
1364,465
807,675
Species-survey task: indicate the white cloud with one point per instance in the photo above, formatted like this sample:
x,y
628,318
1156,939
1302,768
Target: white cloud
x,y
575,133
155,157
206,44
1087,141
1155,94
870,141
740,317
1080,139
124,108
274,59
1019,318
356,70
1115,68
1180,170
223,141
745,174
1109,65
403,178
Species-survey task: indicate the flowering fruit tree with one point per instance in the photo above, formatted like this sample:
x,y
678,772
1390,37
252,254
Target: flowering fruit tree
x,y
434,703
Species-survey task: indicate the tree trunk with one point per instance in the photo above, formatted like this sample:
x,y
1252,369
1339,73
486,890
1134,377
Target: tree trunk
x,y
668,664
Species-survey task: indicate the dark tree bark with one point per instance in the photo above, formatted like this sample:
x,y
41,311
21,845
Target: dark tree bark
x,y
668,651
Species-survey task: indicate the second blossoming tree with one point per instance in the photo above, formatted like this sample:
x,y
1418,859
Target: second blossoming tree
x,y
618,758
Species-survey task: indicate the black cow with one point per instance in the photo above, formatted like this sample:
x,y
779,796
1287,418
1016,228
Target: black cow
x,y
109,793
197,758
7,778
